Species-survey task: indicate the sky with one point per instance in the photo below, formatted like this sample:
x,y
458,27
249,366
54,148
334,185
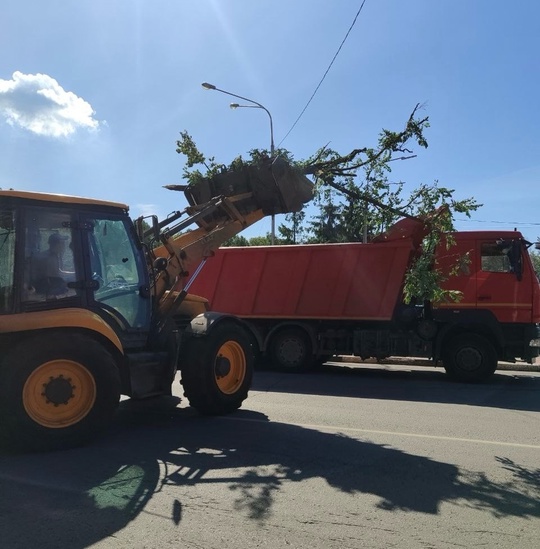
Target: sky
x,y
94,93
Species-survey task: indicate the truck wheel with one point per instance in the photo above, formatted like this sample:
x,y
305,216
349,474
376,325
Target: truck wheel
x,y
290,350
469,357
57,391
217,369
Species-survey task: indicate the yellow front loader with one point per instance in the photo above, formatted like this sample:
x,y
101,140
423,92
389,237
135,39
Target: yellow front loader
x,y
94,305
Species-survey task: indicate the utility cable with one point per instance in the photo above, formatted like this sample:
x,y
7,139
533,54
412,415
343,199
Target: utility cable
x,y
324,75
498,222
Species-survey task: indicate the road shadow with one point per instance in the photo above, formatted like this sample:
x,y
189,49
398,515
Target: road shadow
x,y
507,391
78,497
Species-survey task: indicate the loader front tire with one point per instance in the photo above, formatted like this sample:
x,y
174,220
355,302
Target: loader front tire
x,y
217,369
57,391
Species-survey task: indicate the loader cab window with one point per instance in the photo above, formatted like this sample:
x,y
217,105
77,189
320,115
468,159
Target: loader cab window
x,y
7,259
117,272
50,270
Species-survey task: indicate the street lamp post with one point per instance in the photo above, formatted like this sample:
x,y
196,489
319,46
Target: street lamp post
x,y
255,105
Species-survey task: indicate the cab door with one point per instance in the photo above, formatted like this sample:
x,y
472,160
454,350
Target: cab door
x,y
118,274
504,283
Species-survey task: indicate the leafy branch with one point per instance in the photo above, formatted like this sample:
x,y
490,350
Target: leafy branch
x,y
357,200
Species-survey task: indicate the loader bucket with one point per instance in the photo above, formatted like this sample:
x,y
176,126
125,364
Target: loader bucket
x,y
272,186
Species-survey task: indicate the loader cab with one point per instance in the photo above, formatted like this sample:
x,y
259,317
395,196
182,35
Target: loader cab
x,y
59,252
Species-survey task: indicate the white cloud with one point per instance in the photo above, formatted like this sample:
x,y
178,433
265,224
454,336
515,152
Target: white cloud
x,y
36,102
146,209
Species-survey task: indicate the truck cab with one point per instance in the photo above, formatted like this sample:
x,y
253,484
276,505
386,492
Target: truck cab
x,y
500,290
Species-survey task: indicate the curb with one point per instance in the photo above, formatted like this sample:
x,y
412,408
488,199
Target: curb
x,y
401,361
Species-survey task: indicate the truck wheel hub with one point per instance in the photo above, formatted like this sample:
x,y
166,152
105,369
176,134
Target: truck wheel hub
x,y
58,390
223,366
469,359
292,351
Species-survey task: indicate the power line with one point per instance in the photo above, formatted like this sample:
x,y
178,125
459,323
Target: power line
x,y
324,75
498,222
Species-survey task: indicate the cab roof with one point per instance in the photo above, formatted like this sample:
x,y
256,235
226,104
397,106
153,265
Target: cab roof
x,y
62,198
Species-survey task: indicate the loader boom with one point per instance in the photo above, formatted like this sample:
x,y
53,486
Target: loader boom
x,y
220,207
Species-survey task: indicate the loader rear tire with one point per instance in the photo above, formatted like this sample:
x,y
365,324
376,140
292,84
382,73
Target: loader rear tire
x,y
57,391
217,369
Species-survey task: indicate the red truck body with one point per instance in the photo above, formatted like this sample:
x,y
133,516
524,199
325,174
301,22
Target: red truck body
x,y
311,282
305,303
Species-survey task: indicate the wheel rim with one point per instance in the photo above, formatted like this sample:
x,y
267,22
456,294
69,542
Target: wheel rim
x,y
469,359
230,367
291,351
59,393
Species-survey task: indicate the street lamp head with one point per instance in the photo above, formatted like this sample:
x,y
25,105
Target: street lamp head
x,y
254,104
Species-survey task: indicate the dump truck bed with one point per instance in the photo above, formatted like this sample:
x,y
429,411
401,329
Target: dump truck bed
x,y
322,281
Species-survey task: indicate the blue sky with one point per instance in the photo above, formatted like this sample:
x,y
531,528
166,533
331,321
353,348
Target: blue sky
x,y
93,94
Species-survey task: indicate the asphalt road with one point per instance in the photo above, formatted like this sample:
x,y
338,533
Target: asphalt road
x,y
350,457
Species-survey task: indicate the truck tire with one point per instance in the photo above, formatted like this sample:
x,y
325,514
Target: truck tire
x,y
290,350
217,369
469,357
57,391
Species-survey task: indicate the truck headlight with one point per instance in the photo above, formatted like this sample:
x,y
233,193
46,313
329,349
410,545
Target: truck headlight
x,y
534,343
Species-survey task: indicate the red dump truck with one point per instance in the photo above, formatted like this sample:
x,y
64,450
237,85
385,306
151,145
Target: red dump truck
x,y
304,304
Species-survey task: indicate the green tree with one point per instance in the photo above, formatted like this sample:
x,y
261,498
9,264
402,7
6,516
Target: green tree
x,y
295,231
265,240
239,240
535,258
236,240
326,225
356,198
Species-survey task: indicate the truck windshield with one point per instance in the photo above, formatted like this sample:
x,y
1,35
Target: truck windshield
x,y
118,271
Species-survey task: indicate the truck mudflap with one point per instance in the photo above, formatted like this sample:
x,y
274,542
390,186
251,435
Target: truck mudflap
x,y
273,186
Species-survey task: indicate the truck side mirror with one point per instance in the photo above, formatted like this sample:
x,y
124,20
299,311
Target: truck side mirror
x,y
512,250
514,255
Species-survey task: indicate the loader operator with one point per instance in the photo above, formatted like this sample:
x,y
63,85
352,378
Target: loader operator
x,y
49,277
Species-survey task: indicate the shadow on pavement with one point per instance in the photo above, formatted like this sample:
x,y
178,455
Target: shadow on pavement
x,y
508,391
78,497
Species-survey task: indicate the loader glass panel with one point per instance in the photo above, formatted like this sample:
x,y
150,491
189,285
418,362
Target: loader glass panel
x,y
50,269
117,271
7,260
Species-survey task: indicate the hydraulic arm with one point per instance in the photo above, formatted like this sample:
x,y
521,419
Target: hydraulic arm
x,y
220,207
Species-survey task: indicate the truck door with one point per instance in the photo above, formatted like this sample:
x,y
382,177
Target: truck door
x,y
459,264
504,284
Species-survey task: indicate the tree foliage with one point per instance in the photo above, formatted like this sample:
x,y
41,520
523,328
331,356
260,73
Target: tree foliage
x,y
356,198
535,258
239,240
